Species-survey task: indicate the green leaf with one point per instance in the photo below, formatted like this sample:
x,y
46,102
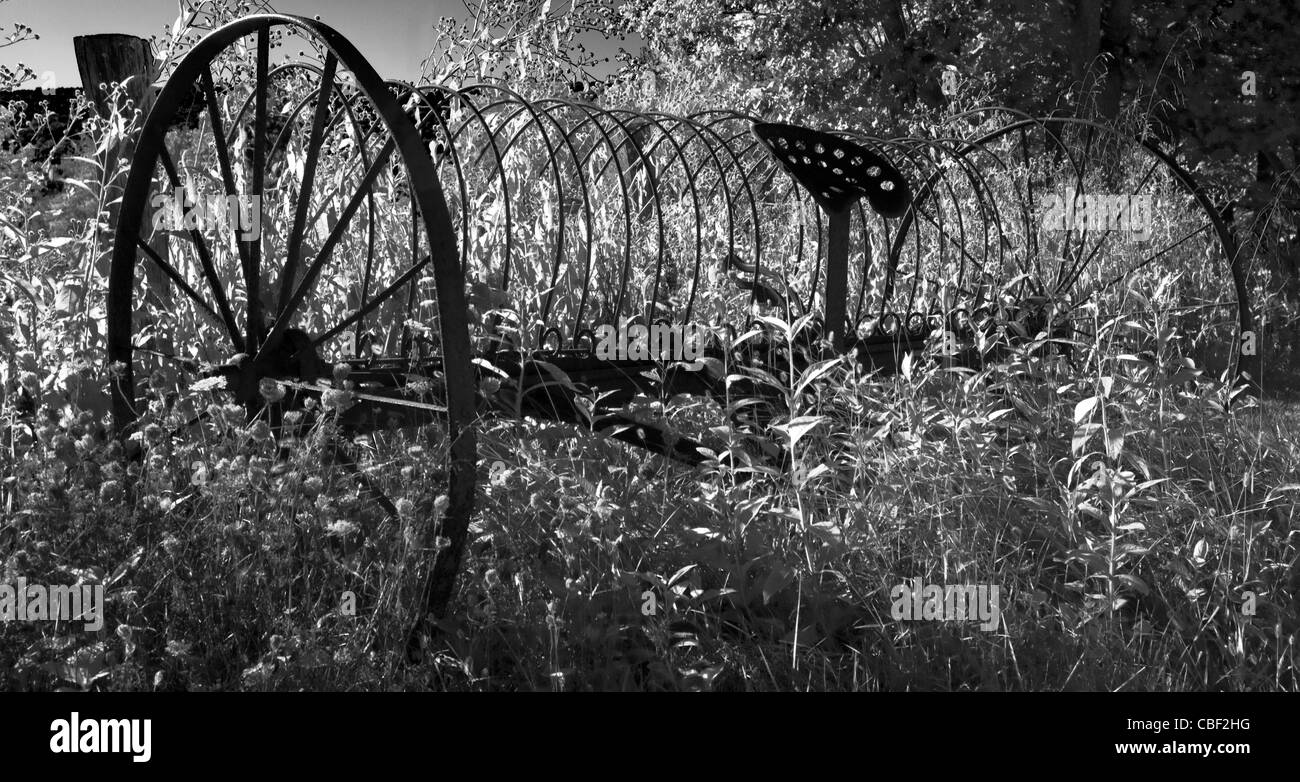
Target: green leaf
x,y
1084,409
778,579
798,427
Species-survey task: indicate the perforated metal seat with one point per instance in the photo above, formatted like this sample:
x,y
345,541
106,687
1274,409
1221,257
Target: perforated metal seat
x,y
834,171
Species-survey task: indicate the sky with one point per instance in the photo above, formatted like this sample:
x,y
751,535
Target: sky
x,y
394,35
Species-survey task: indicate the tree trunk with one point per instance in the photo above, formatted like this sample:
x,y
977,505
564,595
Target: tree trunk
x,y
102,60
1085,44
1116,30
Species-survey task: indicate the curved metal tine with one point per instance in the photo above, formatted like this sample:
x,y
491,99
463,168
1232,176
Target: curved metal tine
x,y
252,260
666,134
1075,272
1151,258
315,141
938,224
701,130
644,163
737,162
990,210
1022,201
609,144
867,259
205,259
624,195
435,113
363,155
977,185
585,201
698,133
345,217
760,161
238,116
933,202
1029,191
551,156
464,95
1074,251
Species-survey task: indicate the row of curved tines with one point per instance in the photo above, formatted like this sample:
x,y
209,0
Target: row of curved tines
x,y
745,174
910,327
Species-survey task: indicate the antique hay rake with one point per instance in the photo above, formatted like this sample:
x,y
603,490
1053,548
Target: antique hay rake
x,y
428,254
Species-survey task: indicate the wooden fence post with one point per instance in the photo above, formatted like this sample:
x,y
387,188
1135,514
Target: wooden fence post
x,y
114,57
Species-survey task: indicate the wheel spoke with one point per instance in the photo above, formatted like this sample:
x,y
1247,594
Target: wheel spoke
x,y
223,151
175,277
252,260
379,299
314,144
205,259
309,278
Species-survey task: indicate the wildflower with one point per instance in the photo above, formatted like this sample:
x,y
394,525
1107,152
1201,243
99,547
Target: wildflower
x,y
342,528
270,390
110,491
336,400
440,505
154,434
313,486
405,507
341,372
31,382
63,447
290,481
260,431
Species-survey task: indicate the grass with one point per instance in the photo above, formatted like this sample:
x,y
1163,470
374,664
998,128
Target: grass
x,y
1139,517
1128,570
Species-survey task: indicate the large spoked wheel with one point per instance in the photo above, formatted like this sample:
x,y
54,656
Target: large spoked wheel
x,y
281,220
1107,234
